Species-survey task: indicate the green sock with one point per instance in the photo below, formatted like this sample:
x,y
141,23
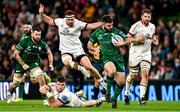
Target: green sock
x,y
43,96
109,82
118,90
21,90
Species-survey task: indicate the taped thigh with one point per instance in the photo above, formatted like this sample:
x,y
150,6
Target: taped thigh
x,y
67,57
145,65
18,77
134,70
35,72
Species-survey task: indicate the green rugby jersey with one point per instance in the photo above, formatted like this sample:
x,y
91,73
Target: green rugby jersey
x,y
103,39
25,35
30,51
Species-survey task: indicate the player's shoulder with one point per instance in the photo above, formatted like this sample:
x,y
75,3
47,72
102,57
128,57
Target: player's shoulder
x,y
25,40
151,25
114,29
42,42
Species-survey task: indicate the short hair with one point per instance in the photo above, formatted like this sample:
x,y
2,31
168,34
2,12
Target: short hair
x,y
146,11
106,19
61,79
36,28
69,13
28,23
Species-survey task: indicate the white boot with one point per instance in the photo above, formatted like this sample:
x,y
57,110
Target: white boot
x,y
9,97
81,94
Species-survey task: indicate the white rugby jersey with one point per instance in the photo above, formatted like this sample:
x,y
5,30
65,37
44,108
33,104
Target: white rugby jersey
x,y
139,29
66,97
69,36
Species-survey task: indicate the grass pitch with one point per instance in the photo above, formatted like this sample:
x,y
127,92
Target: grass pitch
x,y
37,106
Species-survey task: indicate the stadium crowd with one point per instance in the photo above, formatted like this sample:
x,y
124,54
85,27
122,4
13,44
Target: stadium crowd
x,y
165,56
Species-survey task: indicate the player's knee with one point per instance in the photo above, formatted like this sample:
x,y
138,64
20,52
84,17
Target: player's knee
x,y
66,62
145,73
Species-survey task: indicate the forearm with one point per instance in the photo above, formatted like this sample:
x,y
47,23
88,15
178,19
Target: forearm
x,y
90,47
19,59
47,19
50,58
94,25
44,90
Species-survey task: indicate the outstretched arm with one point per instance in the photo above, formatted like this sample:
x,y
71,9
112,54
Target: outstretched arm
x,y
130,39
50,58
46,18
93,26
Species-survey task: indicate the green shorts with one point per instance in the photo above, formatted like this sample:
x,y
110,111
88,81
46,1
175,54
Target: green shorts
x,y
118,62
19,68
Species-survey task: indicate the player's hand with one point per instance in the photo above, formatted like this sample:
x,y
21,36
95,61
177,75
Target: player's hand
x,y
155,40
119,43
97,49
141,39
41,9
25,67
49,95
51,67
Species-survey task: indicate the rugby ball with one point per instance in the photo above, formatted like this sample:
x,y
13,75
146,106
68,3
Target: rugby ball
x,y
115,38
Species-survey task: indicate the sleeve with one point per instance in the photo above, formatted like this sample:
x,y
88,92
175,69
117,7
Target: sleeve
x,y
64,99
58,21
21,45
133,29
93,38
82,24
45,47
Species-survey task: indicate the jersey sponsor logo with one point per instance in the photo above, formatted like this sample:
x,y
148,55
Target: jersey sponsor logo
x,y
66,31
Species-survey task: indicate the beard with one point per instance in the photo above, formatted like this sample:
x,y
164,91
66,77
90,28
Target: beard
x,y
107,30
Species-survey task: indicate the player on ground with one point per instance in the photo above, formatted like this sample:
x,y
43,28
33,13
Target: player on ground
x,y
70,44
140,53
112,60
58,95
27,56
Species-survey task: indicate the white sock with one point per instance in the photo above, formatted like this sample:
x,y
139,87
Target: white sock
x,y
102,83
143,88
128,85
80,68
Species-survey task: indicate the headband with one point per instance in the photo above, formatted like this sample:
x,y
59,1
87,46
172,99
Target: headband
x,y
69,16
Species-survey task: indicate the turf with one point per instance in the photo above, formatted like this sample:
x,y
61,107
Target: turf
x,y
37,106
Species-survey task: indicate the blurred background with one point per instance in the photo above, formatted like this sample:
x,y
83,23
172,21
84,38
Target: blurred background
x,y
165,16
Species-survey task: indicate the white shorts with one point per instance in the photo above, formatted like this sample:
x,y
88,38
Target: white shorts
x,y
75,53
135,59
75,102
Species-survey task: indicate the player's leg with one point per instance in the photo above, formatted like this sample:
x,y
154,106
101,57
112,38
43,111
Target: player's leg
x,y
145,66
120,79
96,89
85,62
17,79
93,102
67,61
39,75
133,72
120,82
21,89
97,64
110,70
